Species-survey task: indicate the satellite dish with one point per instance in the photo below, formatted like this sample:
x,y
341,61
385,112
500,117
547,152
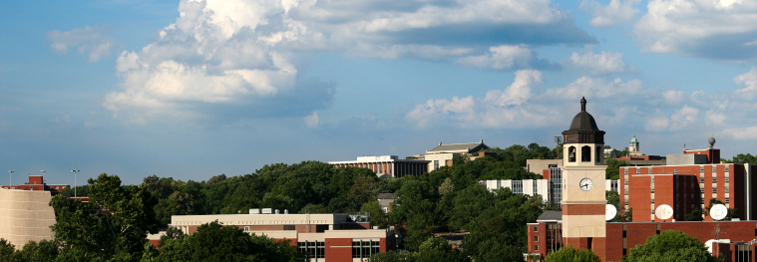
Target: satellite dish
x,y
718,211
610,212
663,212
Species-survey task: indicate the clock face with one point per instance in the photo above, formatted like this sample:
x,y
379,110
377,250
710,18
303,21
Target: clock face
x,y
586,184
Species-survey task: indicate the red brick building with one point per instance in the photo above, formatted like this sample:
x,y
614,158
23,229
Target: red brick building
x,y
37,183
544,236
326,237
688,182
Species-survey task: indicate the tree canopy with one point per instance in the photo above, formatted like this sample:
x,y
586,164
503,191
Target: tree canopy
x,y
670,246
570,254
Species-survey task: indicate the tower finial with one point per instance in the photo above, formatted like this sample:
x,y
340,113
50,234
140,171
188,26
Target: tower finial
x,y
583,104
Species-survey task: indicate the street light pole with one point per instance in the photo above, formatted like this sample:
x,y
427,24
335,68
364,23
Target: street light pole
x,y
75,171
10,180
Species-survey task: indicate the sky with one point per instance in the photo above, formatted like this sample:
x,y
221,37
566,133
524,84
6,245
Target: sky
x,y
191,89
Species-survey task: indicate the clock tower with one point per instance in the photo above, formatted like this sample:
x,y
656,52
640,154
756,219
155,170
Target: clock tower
x,y
583,193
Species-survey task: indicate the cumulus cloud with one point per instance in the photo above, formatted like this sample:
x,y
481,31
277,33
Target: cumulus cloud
x,y
747,81
505,57
612,101
615,12
722,29
602,63
87,41
239,54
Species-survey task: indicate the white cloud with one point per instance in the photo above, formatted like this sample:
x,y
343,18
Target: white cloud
x,y
311,121
87,41
713,29
615,12
518,92
501,57
239,53
747,81
683,118
602,63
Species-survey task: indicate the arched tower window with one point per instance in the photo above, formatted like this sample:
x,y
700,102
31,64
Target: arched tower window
x,y
600,153
586,154
572,154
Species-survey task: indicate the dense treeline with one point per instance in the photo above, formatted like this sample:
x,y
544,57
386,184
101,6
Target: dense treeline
x,y
444,200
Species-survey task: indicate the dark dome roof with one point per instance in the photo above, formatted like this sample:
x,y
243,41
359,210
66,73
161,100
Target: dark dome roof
x,y
583,121
583,129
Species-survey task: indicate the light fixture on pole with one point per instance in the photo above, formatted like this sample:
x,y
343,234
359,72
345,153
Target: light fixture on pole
x,y
75,171
10,180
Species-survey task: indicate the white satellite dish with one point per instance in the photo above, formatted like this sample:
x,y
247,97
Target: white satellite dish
x,y
663,212
718,211
610,212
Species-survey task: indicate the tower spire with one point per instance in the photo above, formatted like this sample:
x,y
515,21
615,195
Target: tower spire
x,y
583,104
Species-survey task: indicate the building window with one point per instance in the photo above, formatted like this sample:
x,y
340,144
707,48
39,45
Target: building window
x,y
313,249
701,169
365,248
701,180
585,154
652,200
536,228
727,190
714,169
702,200
536,247
726,169
651,180
625,170
649,170
638,171
652,190
626,200
246,228
675,171
714,190
626,191
727,200
436,164
625,181
288,227
652,211
714,179
727,180
536,238
572,154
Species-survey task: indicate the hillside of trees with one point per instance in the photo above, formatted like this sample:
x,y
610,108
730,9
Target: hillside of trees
x,y
445,200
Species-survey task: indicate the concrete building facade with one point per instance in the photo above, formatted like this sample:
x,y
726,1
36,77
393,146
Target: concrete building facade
x,y
326,237
387,165
25,211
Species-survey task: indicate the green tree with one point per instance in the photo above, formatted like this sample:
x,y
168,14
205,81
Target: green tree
x,y
172,233
695,215
45,250
670,246
6,250
495,240
112,226
742,159
392,256
378,216
228,244
613,168
446,187
569,254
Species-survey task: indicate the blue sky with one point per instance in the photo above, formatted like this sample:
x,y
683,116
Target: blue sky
x,y
192,89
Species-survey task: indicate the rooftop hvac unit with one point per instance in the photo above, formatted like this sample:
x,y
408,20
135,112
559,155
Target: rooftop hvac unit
x,y
267,210
254,210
